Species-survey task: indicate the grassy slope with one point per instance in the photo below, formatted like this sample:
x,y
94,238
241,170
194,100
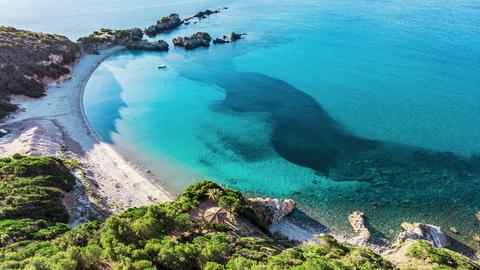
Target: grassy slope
x,y
158,236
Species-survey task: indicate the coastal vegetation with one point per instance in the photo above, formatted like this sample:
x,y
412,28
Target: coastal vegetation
x,y
29,60
34,233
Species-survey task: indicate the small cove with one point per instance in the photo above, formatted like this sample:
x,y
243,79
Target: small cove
x,y
341,106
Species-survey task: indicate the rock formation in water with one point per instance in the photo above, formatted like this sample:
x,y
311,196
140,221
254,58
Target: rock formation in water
x,y
199,39
357,221
145,45
221,40
420,231
224,39
166,23
206,13
234,36
203,14
272,211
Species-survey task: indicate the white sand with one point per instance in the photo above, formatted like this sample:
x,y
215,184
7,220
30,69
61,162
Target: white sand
x,y
58,120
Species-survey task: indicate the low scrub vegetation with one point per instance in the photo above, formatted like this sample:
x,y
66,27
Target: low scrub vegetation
x,y
28,59
33,233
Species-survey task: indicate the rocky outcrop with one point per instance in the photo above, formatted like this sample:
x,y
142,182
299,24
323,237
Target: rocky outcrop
x,y
107,38
206,13
145,45
199,39
221,40
234,36
224,39
272,211
203,14
420,231
166,23
130,38
357,221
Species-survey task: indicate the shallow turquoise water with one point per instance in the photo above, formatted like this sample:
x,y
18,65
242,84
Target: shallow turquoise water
x,y
342,105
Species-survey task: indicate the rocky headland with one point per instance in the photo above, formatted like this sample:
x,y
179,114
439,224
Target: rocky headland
x,y
132,39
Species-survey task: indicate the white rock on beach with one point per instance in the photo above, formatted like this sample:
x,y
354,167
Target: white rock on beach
x,y
272,211
420,231
357,221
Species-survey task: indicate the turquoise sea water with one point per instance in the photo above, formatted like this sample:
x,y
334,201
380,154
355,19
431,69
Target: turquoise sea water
x,y
341,105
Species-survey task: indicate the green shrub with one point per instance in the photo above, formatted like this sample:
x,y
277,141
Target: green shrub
x,y
440,256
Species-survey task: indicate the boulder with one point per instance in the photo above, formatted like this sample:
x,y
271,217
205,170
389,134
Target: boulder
x,y
420,231
272,211
199,39
169,22
357,221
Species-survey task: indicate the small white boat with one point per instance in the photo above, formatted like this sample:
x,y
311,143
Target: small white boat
x,y
162,66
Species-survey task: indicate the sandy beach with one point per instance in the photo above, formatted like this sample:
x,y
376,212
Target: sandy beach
x,y
55,125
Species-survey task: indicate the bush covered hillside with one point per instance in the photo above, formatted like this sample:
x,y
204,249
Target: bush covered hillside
x,y
207,227
28,60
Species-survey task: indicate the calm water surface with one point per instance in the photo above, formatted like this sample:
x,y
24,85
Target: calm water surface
x,y
341,105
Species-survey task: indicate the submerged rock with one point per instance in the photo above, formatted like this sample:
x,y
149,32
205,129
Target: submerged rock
x,y
454,230
272,211
199,39
420,231
169,22
357,221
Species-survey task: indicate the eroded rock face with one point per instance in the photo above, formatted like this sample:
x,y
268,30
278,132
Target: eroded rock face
x,y
357,221
420,231
199,39
169,22
145,45
272,211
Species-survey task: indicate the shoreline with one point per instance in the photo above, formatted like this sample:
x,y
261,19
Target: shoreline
x,y
56,125
95,134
